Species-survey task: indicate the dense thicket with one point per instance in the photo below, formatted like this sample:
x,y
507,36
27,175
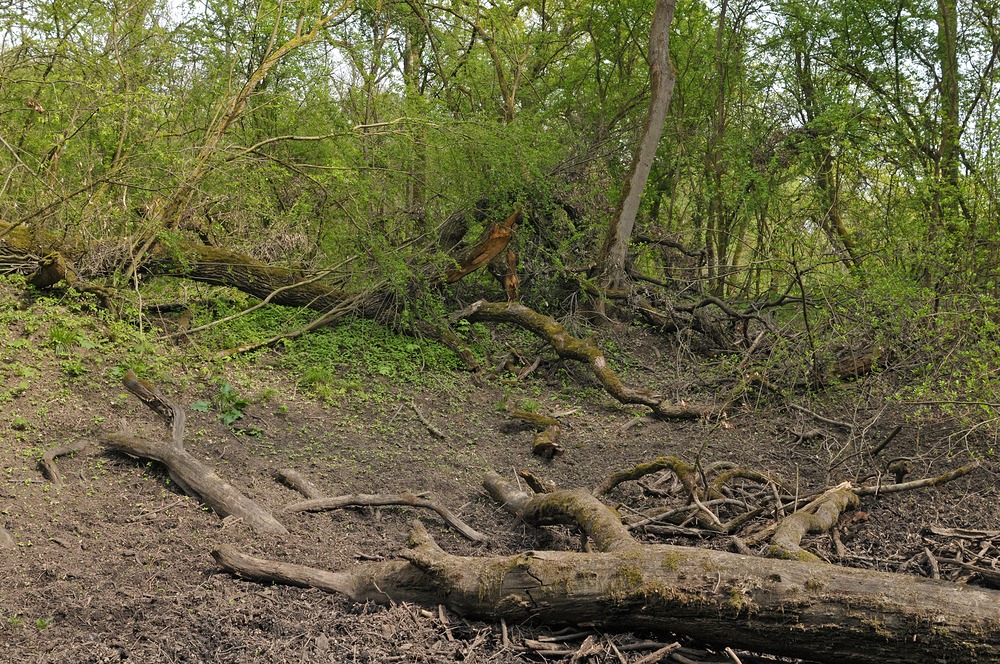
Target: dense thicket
x,y
813,149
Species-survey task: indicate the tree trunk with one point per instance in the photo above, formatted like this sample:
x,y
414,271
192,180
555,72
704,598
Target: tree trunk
x,y
817,611
661,77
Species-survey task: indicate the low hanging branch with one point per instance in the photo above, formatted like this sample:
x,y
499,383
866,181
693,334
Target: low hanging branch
x,y
813,610
194,477
571,348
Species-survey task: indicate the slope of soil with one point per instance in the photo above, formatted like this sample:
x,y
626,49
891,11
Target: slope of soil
x,y
114,566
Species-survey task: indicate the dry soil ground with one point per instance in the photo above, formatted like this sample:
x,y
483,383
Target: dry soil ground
x,y
114,565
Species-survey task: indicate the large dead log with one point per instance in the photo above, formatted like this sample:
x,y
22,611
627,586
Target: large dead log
x,y
285,286
812,610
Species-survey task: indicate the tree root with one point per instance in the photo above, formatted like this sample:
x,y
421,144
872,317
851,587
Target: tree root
x,y
819,516
576,507
48,460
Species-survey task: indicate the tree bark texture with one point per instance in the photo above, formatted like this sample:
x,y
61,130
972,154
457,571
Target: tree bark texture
x,y
811,610
661,79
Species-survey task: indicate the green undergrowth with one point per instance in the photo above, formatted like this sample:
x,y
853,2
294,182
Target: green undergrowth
x,y
61,339
938,356
66,329
361,357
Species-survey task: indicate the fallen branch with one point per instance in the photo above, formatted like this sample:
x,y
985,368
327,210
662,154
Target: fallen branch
x,y
569,347
48,460
547,432
297,481
917,484
190,474
403,500
818,517
817,416
434,431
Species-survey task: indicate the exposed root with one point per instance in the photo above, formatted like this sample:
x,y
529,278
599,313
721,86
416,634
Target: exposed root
x,y
48,460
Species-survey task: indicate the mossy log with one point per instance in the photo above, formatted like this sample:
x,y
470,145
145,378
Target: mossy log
x,y
819,516
571,348
815,611
295,288
812,610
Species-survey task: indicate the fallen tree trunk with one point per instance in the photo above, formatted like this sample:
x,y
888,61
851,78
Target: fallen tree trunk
x,y
812,610
571,348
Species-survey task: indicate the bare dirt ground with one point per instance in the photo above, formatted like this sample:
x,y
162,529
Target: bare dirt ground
x,y
115,566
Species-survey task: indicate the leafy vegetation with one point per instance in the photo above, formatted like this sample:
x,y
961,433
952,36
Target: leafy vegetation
x,y
834,154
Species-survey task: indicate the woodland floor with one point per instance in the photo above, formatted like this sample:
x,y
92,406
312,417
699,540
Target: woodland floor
x,y
115,565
